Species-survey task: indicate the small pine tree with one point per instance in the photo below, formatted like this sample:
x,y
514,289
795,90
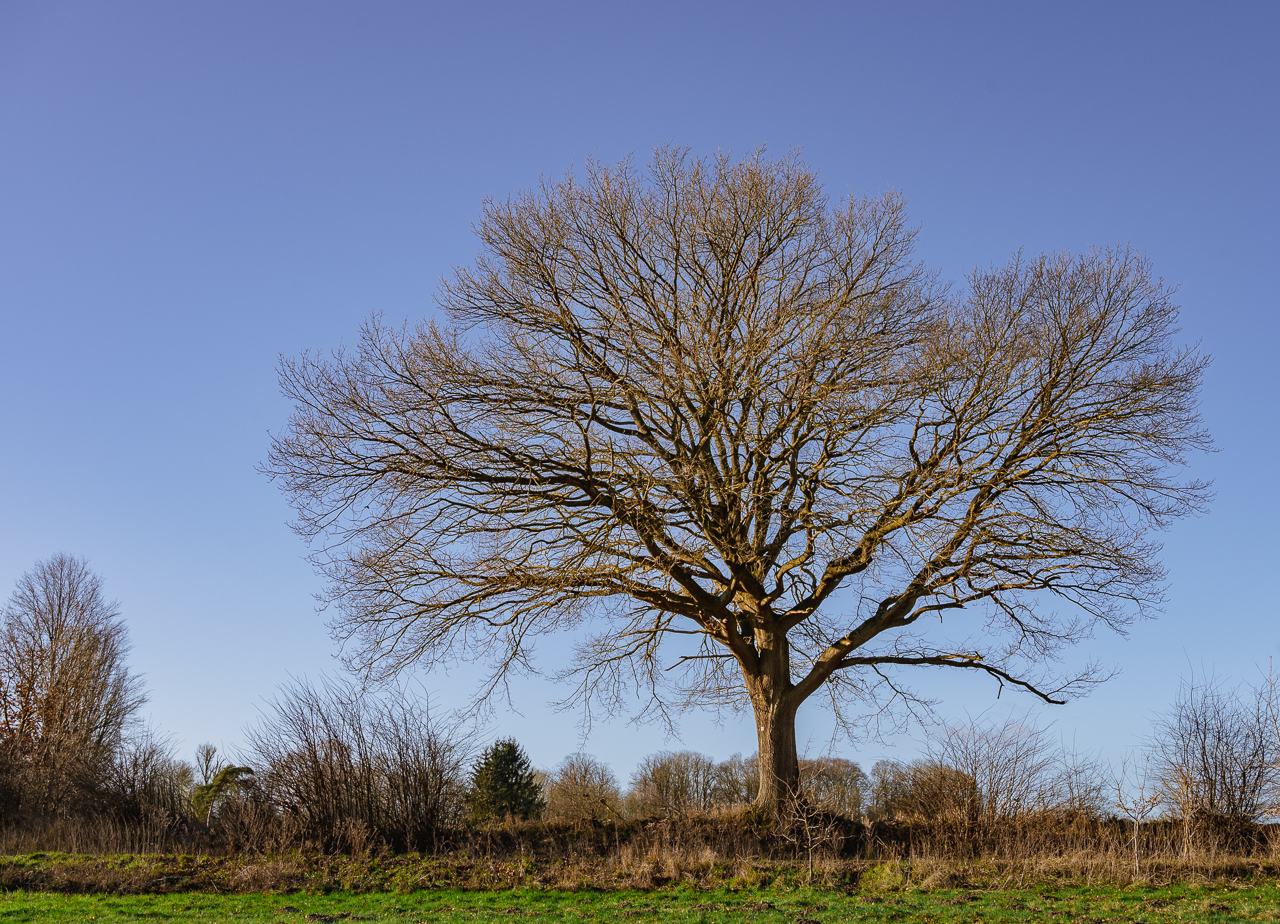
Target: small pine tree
x,y
503,784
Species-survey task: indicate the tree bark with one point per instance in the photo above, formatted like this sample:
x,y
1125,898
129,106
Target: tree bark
x,y
774,701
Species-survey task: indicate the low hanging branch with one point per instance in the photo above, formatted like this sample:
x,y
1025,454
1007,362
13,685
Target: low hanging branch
x,y
973,661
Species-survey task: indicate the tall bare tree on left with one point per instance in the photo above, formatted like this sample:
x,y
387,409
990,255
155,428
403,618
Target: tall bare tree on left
x,y
66,692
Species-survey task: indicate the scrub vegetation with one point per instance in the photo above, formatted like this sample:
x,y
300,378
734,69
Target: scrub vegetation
x,y
350,791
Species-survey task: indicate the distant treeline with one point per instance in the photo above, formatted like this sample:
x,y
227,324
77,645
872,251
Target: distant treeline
x,y
335,768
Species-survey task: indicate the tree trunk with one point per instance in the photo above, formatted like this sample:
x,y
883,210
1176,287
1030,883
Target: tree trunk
x,y
774,702
779,762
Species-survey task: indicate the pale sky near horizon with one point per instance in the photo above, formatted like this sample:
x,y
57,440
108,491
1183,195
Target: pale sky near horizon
x,y
189,191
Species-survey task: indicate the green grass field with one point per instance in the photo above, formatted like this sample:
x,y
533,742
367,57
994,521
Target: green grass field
x,y
1250,902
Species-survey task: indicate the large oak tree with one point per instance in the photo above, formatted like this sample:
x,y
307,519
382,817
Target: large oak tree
x,y
732,433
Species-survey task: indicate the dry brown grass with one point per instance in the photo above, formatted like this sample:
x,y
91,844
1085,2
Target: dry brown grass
x,y
730,849
642,871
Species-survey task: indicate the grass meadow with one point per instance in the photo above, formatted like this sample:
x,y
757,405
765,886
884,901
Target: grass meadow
x,y
283,890
1146,904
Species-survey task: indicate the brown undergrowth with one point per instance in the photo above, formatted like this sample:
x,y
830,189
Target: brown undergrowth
x,y
736,850
128,875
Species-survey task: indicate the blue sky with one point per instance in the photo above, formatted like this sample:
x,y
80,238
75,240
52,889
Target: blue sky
x,y
188,191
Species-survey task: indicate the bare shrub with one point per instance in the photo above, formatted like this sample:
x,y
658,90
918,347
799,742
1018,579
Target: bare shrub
x,y
1012,765
247,821
1217,758
1080,785
11,777
813,834
139,802
1136,799
992,789
582,789
149,785
343,768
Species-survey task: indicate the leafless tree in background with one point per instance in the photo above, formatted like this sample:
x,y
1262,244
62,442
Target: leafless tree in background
x,y
208,764
66,693
735,434
1013,765
923,792
583,789
682,782
673,783
737,780
834,785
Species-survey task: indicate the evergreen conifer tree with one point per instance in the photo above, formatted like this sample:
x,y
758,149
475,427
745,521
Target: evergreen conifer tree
x,y
503,784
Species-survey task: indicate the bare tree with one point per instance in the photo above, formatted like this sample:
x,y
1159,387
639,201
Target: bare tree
x,y
66,693
148,784
923,792
582,789
834,784
208,763
1137,796
737,436
673,783
737,780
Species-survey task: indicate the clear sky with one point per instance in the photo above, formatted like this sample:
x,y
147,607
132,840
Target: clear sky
x,y
189,190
